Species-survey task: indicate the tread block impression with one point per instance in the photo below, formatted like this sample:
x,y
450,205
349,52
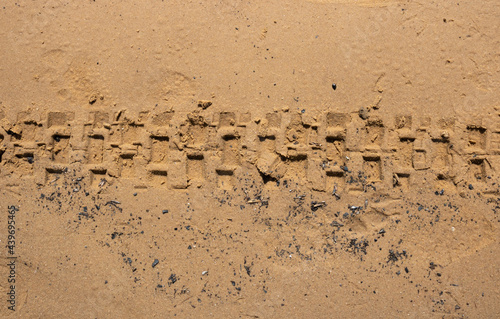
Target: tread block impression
x,y
328,152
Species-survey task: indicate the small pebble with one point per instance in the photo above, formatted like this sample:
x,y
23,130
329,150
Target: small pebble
x,y
155,262
204,104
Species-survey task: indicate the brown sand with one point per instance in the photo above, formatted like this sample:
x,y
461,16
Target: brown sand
x,y
191,159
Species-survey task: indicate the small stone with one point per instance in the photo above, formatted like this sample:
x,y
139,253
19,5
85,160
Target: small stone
x,y
334,86
204,104
92,99
471,187
155,262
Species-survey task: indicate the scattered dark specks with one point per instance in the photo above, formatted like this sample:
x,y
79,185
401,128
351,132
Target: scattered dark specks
x,y
247,268
155,262
115,234
172,279
396,255
334,86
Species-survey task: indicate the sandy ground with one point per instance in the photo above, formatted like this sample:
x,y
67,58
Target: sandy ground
x,y
264,159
